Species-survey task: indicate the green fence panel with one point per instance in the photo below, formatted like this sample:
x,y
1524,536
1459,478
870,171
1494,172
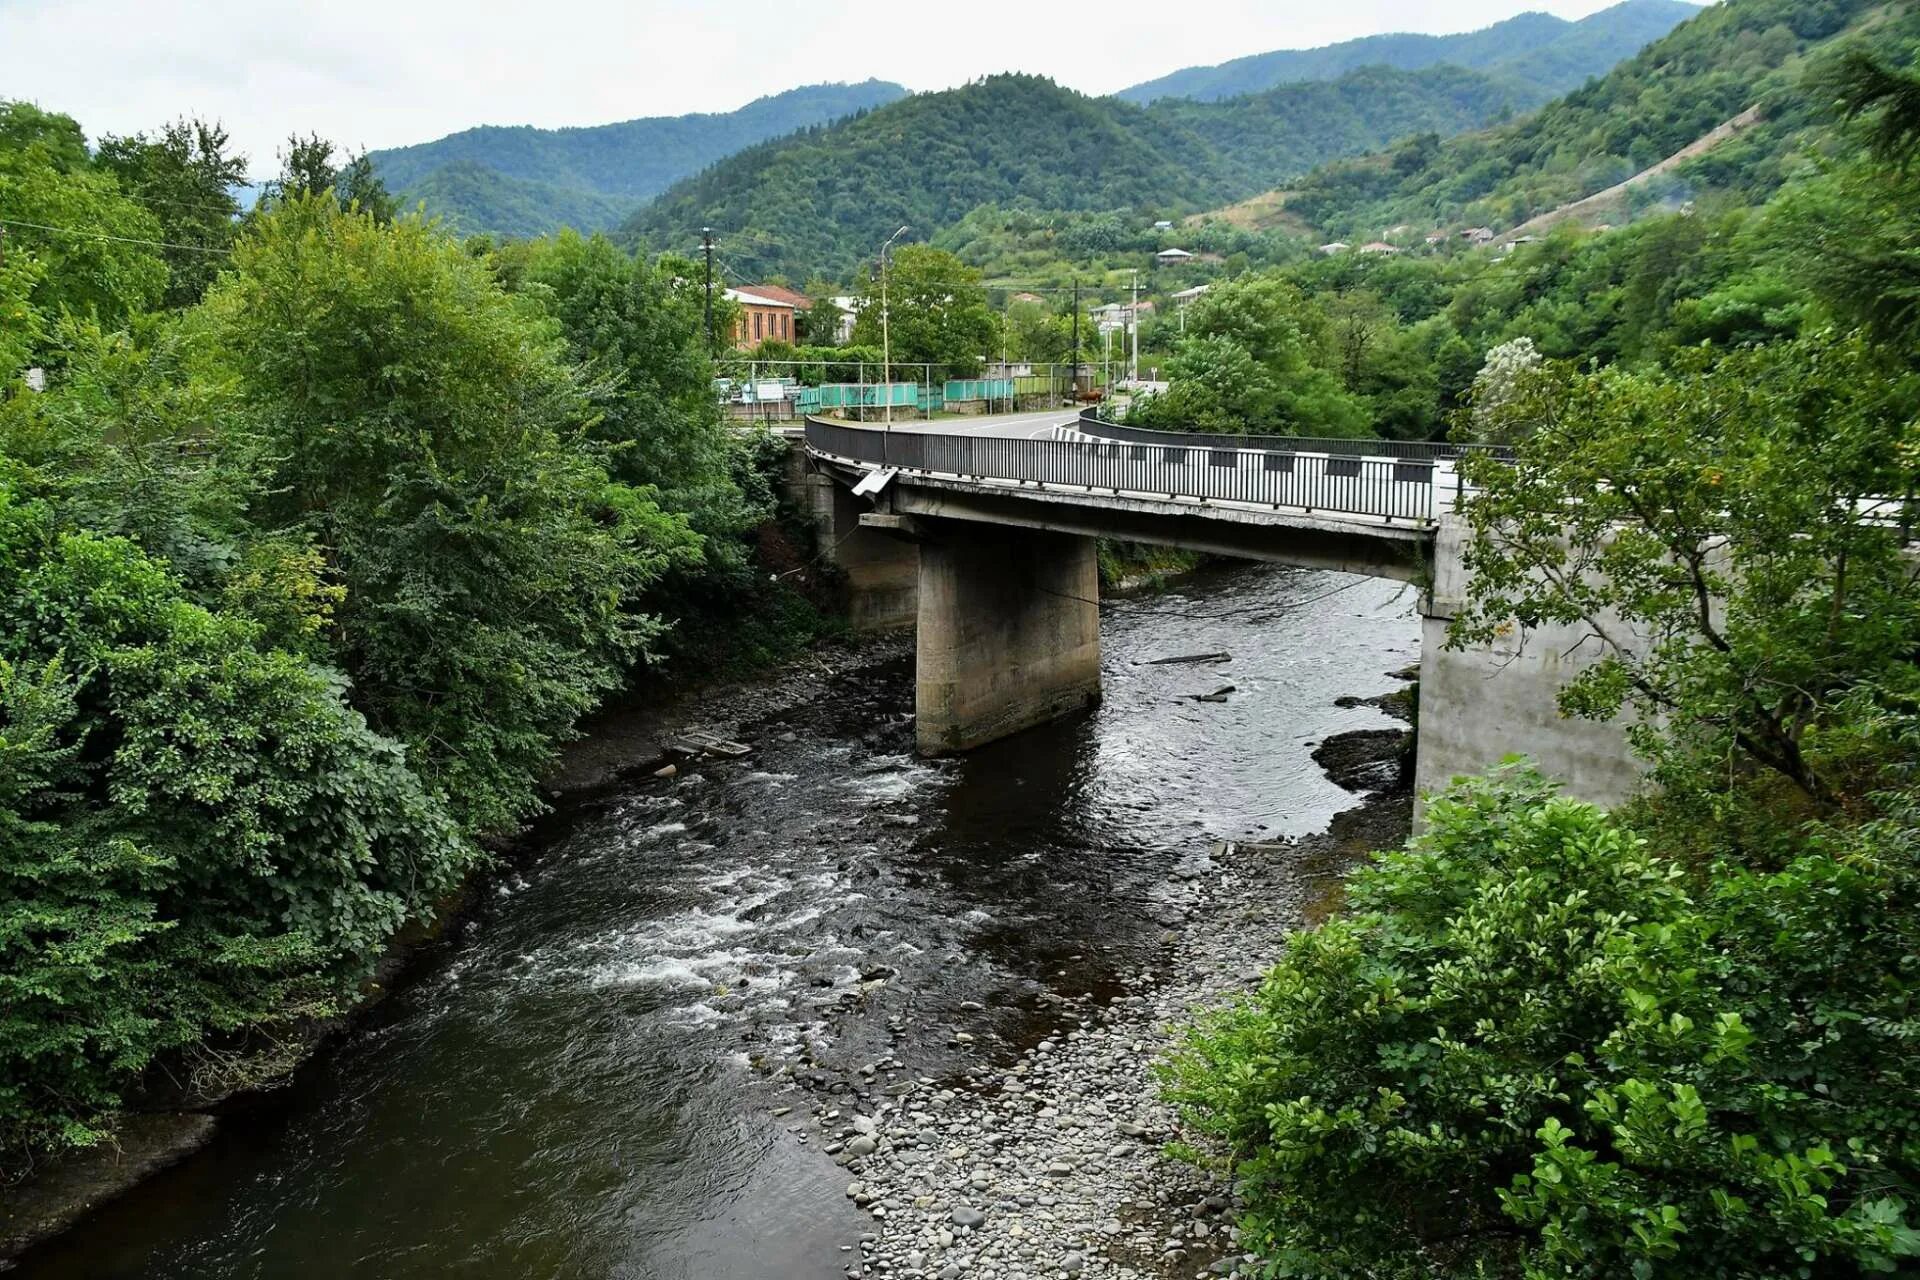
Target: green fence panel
x,y
978,389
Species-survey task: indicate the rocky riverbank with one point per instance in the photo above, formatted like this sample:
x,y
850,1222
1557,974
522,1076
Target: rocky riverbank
x,y
1055,1164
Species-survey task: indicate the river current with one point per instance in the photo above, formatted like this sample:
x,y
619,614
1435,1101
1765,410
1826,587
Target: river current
x,y
586,1080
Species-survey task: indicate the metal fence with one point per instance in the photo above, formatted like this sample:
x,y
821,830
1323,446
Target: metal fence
x,y
1092,424
1389,489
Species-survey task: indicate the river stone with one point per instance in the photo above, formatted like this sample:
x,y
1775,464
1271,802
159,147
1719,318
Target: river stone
x,y
967,1216
864,1145
1073,1263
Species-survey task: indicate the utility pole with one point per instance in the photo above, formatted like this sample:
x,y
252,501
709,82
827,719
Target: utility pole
x,y
1073,375
886,341
1133,321
706,242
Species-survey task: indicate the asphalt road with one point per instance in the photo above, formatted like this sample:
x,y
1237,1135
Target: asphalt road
x,y
1019,426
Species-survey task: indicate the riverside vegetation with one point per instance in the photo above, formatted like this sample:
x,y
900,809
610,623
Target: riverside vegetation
x,y
326,529
330,526
1675,1040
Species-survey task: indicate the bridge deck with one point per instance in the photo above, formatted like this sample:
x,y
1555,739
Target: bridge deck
x,y
1361,515
1369,490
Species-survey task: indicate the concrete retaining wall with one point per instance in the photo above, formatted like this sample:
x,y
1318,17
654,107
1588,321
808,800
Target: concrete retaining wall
x,y
1480,704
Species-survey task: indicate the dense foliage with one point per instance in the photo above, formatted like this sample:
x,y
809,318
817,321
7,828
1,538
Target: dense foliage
x,y
1733,56
1739,559
1404,334
1533,51
936,312
303,581
1533,1045
527,181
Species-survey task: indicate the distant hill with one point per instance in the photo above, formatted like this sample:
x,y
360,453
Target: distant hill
x,y
822,200
1734,57
1545,54
524,181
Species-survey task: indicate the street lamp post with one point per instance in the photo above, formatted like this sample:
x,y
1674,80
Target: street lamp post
x,y
886,344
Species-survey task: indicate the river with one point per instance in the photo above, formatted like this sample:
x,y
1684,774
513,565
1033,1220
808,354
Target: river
x,y
588,1079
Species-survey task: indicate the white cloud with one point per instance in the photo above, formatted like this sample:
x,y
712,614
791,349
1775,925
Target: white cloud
x,y
380,73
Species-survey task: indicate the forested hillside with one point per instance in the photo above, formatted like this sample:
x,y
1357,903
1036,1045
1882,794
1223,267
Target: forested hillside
x,y
525,181
1539,52
821,201
1735,55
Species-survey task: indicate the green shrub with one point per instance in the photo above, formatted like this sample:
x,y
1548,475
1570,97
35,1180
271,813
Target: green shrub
x,y
1534,1046
198,838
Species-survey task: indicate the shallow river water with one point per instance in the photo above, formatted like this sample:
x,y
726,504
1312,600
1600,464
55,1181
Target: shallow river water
x,y
584,1080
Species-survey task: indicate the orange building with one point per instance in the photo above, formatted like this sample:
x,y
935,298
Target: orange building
x,y
765,313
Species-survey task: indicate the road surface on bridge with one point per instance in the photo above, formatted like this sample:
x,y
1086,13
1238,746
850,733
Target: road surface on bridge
x,y
1009,426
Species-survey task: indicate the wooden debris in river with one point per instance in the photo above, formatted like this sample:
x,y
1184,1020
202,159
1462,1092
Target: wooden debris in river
x,y
1189,657
697,743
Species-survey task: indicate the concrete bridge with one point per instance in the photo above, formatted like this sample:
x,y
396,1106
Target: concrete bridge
x,y
984,540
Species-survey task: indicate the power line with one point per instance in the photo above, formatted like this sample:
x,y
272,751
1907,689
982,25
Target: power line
x,y
101,235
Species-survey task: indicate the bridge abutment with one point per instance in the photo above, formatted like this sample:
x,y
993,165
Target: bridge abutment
x,y
1485,702
882,571
1009,632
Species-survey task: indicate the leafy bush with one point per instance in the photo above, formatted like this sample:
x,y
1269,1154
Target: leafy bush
x,y
1534,1046
198,838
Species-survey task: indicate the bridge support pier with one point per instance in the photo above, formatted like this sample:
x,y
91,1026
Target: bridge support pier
x,y
1009,632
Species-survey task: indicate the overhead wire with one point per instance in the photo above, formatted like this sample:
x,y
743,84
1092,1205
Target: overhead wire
x,y
104,236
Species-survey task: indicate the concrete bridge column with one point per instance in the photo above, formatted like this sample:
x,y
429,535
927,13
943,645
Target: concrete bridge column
x,y
1009,632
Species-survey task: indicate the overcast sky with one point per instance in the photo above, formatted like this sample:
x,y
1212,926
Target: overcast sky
x,y
381,73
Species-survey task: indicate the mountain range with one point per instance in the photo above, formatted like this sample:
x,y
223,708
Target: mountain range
x,y
821,200
1549,55
518,180
1311,106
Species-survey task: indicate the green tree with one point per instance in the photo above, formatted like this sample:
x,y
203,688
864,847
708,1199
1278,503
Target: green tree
x,y
95,248
185,178
308,166
1262,358
1730,535
198,838
1533,1045
426,429
937,311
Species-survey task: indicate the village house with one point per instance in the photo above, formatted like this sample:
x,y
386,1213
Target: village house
x,y
848,306
762,317
1172,257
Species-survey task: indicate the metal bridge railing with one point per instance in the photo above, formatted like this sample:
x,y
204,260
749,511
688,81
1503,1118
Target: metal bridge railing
x,y
1092,424
1385,488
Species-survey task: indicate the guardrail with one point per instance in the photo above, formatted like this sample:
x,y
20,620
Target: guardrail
x,y
1385,488
1092,424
